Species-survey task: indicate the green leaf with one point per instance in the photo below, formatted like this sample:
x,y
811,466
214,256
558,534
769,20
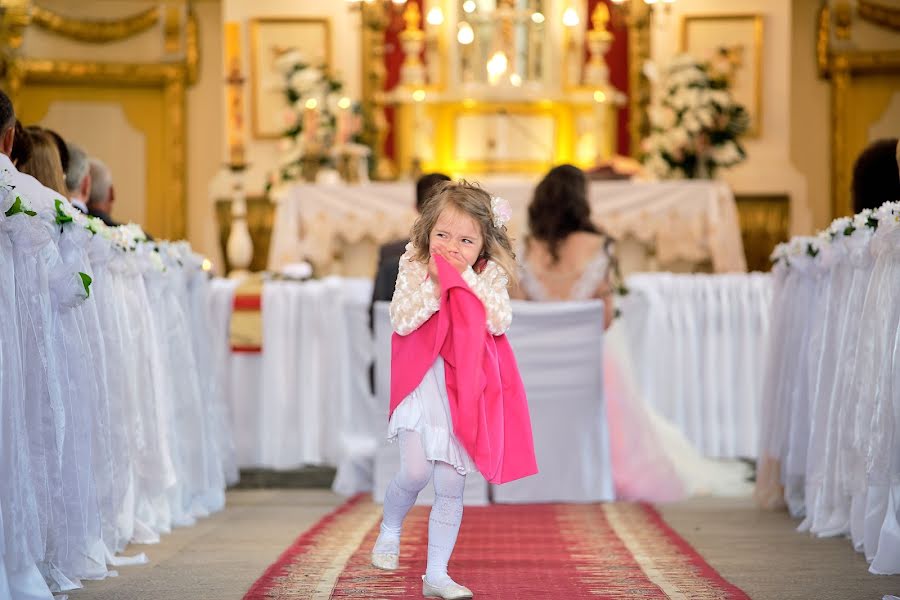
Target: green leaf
x,y
872,223
61,216
86,282
17,208
849,230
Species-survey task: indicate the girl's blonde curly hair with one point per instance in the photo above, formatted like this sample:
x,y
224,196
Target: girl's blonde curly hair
x,y
472,200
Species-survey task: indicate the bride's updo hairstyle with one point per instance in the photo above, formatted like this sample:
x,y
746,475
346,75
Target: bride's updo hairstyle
x,y
560,208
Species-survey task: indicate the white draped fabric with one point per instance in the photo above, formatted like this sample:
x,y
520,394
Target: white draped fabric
x,y
691,221
560,360
305,398
111,427
698,344
316,335
831,401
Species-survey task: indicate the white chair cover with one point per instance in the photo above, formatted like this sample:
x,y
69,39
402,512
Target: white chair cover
x,y
360,430
832,401
561,363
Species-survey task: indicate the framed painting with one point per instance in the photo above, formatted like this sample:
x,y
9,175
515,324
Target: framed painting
x,y
739,40
271,37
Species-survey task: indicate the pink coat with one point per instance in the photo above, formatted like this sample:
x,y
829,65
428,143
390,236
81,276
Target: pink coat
x,y
487,399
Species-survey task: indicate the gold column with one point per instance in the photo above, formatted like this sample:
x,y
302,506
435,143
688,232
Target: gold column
x,y
841,203
638,22
374,17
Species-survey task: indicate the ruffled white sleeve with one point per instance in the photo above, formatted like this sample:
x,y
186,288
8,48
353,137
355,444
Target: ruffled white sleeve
x,y
492,288
415,296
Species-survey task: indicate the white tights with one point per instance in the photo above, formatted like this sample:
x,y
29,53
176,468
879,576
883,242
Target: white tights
x,y
446,514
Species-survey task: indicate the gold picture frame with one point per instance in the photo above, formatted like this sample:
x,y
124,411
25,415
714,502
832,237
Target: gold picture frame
x,y
701,35
269,36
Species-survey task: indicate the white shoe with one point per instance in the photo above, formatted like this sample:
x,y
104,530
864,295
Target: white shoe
x,y
451,591
385,562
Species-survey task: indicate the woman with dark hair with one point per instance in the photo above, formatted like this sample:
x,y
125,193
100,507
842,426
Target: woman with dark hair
x,y
876,175
567,257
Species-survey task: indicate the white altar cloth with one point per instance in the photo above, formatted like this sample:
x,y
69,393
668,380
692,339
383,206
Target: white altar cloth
x,y
692,221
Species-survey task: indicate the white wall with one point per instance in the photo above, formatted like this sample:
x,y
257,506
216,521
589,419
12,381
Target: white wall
x,y
768,168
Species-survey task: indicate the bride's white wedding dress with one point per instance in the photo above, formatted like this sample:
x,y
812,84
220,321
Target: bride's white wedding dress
x,y
652,460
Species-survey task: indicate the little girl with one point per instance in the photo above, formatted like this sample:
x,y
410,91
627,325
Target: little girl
x,y
459,248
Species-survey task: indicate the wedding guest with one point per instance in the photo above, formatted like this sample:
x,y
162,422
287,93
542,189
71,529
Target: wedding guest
x,y
876,175
103,193
62,148
78,177
21,149
43,164
389,254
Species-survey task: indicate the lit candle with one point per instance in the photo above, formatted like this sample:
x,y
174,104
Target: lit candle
x,y
310,120
234,93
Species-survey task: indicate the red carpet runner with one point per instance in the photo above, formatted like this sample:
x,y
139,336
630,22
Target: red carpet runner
x,y
548,551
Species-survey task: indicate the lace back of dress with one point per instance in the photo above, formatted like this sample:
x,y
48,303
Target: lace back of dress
x,y
583,288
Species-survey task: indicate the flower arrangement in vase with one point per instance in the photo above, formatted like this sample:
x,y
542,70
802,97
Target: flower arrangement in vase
x,y
696,125
321,123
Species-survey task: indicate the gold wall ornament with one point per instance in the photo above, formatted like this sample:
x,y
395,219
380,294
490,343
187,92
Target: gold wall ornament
x,y
192,46
375,18
412,38
840,172
95,31
880,14
638,23
169,78
842,66
172,28
843,19
14,19
823,38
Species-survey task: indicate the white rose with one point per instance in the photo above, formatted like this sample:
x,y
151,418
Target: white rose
x,y
691,123
305,79
287,61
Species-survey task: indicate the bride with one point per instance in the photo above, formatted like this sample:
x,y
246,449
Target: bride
x,y
567,258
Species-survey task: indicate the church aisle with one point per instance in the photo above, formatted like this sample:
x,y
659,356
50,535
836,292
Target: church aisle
x,y
221,556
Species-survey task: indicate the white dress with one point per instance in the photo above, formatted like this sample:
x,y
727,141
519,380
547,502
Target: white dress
x,y
427,410
652,459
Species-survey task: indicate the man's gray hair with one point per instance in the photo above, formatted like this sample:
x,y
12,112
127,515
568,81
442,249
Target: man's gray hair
x,y
101,181
78,167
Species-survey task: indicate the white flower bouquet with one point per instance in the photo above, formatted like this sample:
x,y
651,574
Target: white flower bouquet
x,y
319,119
696,125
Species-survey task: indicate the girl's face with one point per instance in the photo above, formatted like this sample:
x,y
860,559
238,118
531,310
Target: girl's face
x,y
457,234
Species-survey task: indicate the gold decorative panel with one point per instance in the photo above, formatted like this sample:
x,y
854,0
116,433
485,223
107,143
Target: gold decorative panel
x,y
862,84
33,83
765,222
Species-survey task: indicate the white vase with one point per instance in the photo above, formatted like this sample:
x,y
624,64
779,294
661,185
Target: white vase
x,y
328,176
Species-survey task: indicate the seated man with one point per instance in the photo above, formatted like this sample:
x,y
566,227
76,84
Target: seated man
x,y
102,192
389,254
78,177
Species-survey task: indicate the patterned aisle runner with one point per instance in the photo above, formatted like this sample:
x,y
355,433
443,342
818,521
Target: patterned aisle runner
x,y
546,551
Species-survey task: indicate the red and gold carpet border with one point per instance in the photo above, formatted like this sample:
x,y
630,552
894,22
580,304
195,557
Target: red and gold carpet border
x,y
549,551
